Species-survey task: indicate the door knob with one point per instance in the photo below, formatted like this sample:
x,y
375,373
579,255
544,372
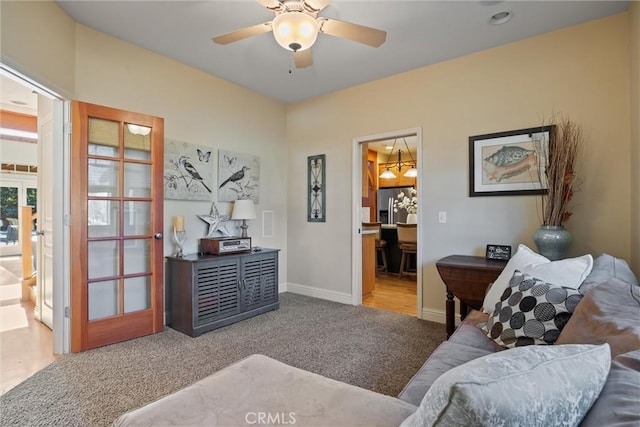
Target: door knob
x,y
158,236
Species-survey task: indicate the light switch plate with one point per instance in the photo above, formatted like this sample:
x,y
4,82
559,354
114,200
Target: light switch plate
x,y
442,217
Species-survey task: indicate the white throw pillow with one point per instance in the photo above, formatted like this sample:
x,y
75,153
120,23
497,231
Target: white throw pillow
x,y
525,386
569,273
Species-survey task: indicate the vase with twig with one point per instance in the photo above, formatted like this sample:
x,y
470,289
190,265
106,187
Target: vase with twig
x,y
559,172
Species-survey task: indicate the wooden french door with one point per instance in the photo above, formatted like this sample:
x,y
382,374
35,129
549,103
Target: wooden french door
x,y
116,225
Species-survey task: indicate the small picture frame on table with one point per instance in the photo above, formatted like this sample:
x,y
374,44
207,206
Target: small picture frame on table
x,y
499,252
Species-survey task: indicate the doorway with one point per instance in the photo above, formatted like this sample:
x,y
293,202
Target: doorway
x,y
26,335
397,279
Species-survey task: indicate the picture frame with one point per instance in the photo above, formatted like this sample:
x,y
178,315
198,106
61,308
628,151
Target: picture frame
x,y
498,252
316,197
188,171
510,163
238,176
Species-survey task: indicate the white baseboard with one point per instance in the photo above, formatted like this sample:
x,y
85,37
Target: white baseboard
x,y
438,316
282,287
310,291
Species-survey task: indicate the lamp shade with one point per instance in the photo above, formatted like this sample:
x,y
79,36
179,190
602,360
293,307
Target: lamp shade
x,y
295,31
243,209
411,173
387,174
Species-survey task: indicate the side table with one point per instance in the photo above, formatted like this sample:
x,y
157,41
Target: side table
x,y
466,278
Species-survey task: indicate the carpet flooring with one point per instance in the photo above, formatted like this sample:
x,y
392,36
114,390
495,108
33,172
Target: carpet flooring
x,y
373,349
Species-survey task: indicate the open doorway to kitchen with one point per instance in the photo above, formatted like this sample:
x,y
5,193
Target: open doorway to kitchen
x,y
386,243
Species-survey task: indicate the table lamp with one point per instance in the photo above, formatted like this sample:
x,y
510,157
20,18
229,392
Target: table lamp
x,y
244,210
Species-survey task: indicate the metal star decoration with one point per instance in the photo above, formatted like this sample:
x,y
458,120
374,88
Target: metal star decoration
x,y
214,219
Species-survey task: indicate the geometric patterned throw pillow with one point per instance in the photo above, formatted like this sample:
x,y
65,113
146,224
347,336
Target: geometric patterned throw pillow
x,y
531,311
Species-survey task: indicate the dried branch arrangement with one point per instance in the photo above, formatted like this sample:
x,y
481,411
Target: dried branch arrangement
x,y
565,142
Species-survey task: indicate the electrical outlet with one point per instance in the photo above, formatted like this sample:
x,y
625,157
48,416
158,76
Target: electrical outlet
x,y
442,217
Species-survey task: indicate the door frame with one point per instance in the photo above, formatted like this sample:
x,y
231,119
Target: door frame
x,y
61,248
356,211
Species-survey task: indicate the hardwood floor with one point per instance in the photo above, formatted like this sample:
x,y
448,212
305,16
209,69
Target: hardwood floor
x,y
25,343
393,294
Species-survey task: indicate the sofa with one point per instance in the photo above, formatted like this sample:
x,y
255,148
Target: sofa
x,y
588,376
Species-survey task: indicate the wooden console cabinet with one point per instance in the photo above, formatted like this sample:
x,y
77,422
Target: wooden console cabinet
x,y
206,292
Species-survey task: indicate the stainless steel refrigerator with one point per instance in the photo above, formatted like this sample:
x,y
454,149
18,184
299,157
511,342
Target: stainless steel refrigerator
x,y
386,197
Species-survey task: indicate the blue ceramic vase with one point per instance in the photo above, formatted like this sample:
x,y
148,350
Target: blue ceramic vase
x,y
552,241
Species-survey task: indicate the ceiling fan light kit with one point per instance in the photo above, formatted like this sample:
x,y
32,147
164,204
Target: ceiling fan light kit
x,y
296,26
295,31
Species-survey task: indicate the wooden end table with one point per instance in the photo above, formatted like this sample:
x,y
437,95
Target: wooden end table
x,y
466,278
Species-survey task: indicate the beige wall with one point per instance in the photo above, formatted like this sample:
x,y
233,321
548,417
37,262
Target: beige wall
x,y
634,15
37,38
44,43
197,108
582,71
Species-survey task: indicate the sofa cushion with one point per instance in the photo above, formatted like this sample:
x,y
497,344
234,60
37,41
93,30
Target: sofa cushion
x,y
619,401
470,332
570,273
606,267
448,355
533,385
531,311
608,313
259,388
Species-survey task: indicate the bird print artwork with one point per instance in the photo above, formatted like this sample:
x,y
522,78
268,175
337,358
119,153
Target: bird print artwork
x,y
188,171
238,176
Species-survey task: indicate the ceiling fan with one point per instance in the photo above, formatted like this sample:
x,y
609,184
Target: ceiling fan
x,y
296,26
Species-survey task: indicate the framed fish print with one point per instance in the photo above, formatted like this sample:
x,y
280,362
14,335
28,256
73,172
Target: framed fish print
x,y
316,211
511,163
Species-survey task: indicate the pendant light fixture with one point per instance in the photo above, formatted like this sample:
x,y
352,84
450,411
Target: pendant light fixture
x,y
412,172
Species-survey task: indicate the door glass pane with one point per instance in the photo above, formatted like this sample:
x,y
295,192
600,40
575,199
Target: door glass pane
x,y
103,299
104,137
102,218
137,142
104,259
32,198
103,176
137,218
137,256
137,293
137,180
9,215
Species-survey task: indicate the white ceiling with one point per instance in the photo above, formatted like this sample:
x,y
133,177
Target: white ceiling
x,y
17,97
419,33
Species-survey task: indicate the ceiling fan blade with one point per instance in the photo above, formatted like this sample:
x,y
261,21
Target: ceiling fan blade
x,y
303,58
271,4
357,33
243,33
317,5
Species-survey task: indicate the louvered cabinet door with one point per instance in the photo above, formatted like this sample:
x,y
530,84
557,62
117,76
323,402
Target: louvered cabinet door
x,y
259,280
217,291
